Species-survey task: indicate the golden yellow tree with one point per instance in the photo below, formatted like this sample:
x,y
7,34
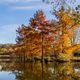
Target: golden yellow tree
x,y
66,26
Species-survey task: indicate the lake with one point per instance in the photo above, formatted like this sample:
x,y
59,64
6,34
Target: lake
x,y
39,71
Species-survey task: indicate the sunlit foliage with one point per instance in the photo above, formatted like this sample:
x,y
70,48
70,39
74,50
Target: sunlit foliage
x,y
46,37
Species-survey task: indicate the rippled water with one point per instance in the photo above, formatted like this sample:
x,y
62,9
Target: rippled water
x,y
39,71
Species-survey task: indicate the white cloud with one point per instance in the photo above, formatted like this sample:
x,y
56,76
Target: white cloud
x,y
27,0
14,1
26,4
9,27
43,7
24,7
8,33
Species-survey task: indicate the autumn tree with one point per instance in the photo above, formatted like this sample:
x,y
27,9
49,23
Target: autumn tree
x,y
44,37
37,38
45,29
66,26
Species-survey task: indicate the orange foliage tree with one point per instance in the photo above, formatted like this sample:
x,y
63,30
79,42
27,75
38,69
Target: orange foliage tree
x,y
35,39
43,37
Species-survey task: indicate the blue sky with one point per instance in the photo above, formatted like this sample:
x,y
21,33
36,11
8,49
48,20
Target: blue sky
x,y
13,13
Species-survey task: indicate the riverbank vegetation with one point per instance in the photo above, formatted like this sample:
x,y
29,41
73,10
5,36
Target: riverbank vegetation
x,y
5,48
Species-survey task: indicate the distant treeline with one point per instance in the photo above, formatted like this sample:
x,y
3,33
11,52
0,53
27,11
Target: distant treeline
x,y
5,48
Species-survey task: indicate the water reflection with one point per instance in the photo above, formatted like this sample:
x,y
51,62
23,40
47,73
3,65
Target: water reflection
x,y
4,75
39,71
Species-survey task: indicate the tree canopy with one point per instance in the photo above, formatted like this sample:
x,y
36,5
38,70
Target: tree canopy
x,y
47,36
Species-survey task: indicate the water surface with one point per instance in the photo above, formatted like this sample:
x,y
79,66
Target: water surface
x,y
39,71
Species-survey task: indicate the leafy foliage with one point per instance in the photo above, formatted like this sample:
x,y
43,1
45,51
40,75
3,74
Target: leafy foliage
x,y
47,37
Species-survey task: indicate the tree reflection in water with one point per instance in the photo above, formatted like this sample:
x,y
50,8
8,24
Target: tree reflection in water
x,y
43,71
